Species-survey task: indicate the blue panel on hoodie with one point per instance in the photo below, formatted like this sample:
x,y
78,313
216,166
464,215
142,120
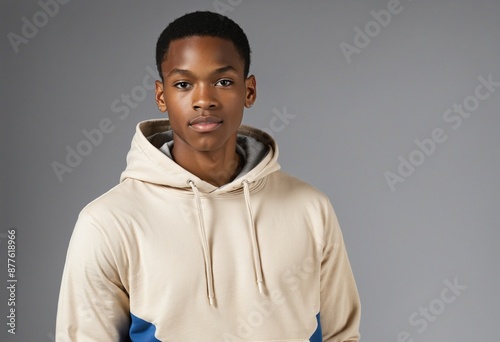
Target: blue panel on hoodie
x,y
317,336
142,331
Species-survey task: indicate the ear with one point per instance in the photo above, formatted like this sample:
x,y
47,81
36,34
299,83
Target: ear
x,y
251,91
160,96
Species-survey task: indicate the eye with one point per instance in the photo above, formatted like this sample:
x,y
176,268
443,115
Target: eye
x,y
182,85
224,82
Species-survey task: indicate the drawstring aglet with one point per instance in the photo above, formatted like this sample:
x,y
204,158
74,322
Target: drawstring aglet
x,y
261,286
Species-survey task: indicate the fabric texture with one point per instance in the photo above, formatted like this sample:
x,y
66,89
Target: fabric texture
x,y
166,256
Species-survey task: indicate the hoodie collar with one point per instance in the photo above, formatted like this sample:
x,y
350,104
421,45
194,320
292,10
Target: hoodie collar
x,y
146,162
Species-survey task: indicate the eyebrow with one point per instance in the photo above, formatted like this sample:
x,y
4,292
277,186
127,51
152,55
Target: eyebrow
x,y
177,71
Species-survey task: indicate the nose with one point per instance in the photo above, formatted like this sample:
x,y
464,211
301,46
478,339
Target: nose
x,y
204,97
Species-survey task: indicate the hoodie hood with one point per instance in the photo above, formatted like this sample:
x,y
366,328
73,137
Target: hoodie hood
x,y
146,162
149,161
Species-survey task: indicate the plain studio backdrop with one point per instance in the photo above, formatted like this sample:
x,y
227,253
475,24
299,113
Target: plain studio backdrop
x,y
389,107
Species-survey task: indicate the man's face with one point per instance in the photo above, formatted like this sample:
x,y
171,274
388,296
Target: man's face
x,y
204,92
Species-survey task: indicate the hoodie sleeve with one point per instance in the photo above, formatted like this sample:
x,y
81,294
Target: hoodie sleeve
x,y
340,308
93,304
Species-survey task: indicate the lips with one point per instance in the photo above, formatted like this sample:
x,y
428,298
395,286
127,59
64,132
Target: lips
x,y
205,120
204,124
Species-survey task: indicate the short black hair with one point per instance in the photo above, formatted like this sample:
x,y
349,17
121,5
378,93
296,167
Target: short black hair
x,y
203,23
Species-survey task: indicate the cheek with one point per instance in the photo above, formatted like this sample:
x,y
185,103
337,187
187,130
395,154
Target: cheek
x,y
234,99
178,100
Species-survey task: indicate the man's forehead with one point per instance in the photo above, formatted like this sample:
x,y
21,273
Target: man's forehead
x,y
204,49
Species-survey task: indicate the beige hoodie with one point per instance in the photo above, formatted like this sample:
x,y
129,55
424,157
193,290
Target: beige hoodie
x,y
165,256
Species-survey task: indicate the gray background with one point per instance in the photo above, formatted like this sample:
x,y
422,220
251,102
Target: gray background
x,y
352,122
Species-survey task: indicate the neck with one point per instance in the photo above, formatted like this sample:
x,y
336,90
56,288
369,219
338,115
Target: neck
x,y
217,167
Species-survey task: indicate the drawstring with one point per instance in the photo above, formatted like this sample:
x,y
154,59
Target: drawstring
x,y
255,246
204,242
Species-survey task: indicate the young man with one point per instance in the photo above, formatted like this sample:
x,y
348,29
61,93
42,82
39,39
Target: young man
x,y
205,239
